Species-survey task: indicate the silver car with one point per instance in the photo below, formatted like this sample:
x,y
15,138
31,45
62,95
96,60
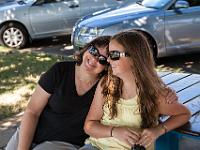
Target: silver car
x,y
172,26
22,20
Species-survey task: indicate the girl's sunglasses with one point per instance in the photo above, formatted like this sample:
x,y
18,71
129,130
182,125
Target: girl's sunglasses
x,y
95,52
115,55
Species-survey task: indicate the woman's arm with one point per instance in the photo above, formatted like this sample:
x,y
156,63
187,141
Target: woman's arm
x,y
170,95
30,118
94,128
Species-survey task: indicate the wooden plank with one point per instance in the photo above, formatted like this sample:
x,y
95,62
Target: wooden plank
x,y
195,123
193,105
187,87
189,93
162,74
193,127
168,79
185,82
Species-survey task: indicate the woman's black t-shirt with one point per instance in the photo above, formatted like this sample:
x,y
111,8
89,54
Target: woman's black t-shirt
x,y
63,117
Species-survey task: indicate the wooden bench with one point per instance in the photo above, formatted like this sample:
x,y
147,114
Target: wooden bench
x,y
187,137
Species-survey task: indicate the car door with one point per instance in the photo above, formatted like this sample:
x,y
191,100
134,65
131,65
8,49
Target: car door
x,y
48,19
182,28
70,14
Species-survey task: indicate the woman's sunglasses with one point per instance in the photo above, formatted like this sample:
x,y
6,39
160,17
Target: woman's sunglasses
x,y
95,52
115,55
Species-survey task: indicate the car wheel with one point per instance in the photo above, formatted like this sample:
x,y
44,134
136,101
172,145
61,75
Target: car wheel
x,y
13,35
153,47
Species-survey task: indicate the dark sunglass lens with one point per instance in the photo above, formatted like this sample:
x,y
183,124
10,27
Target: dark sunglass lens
x,y
114,55
93,51
102,60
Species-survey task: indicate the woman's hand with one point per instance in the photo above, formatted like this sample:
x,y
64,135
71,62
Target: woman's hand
x,y
170,95
149,136
127,135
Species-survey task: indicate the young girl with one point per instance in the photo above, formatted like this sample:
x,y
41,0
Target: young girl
x,y
129,100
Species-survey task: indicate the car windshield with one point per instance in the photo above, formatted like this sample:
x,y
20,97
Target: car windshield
x,y
153,3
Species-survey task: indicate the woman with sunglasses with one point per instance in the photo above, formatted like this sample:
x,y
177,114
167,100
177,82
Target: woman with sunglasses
x,y
129,100
55,115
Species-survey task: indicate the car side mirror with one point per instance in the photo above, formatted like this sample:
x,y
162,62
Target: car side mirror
x,y
181,4
73,4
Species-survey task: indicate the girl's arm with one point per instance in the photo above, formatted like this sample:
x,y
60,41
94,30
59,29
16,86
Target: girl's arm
x,y
30,118
92,125
179,115
94,128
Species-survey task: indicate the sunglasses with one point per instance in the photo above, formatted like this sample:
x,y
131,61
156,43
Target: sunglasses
x,y
95,52
115,55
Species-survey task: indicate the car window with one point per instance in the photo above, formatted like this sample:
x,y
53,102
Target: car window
x,y
194,2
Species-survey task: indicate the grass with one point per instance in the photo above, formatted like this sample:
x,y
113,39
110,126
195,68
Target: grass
x,y
19,73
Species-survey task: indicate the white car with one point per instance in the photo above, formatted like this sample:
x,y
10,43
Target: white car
x,y
23,20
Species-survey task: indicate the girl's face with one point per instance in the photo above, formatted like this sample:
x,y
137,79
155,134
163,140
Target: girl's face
x,y
119,60
95,59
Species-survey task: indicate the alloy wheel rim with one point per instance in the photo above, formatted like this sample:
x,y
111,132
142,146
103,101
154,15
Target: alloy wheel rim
x,y
13,37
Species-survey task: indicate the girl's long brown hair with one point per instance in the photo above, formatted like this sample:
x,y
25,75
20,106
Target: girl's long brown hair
x,y
112,91
149,85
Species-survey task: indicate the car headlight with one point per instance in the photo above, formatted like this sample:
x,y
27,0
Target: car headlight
x,y
86,34
86,31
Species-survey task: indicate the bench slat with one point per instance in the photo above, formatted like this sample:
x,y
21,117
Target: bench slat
x,y
193,127
185,82
174,77
162,74
189,93
187,87
194,105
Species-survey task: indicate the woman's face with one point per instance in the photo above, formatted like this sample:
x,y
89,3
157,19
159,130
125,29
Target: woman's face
x,y
95,59
122,64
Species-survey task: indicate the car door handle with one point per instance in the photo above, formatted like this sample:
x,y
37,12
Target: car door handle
x,y
73,4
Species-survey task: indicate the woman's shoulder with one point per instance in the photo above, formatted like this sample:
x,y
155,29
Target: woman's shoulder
x,y
60,68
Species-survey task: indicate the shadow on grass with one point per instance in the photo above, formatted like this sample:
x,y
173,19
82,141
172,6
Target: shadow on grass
x,y
7,110
22,68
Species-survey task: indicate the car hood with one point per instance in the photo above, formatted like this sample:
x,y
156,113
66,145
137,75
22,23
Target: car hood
x,y
11,5
111,16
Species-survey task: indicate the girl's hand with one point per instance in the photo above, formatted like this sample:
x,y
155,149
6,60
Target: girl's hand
x,y
149,136
127,135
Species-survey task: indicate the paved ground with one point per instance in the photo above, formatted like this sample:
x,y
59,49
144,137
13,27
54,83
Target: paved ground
x,y
7,128
62,46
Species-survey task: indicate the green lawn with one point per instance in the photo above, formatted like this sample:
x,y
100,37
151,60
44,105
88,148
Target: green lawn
x,y
19,73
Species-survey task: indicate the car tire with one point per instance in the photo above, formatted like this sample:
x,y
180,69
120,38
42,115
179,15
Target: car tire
x,y
13,35
153,47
